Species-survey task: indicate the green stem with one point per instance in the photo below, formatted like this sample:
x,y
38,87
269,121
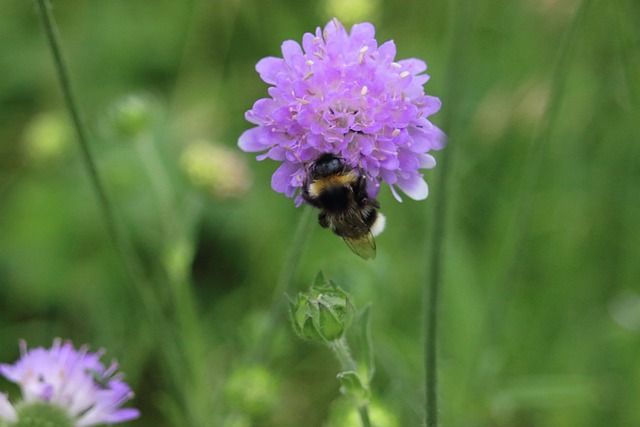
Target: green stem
x,y
122,245
292,260
434,280
538,148
70,99
289,268
363,411
120,241
511,253
177,256
160,182
462,15
341,350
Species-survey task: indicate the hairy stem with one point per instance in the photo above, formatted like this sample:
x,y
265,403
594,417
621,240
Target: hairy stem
x,y
119,239
78,124
341,350
120,242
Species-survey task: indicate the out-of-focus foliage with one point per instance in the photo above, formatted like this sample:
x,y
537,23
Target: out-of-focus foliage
x,y
539,317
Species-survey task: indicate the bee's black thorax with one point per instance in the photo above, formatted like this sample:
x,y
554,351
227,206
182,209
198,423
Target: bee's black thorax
x,y
336,198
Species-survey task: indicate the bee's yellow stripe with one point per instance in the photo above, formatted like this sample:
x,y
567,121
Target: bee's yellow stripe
x,y
317,187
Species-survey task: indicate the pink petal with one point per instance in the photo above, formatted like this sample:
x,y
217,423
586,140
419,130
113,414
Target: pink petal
x,y
252,140
290,50
268,68
415,187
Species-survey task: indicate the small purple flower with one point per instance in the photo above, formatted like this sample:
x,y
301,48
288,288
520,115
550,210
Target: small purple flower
x,y
341,93
74,380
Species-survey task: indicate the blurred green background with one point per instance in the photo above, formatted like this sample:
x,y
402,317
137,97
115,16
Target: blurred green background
x,y
540,307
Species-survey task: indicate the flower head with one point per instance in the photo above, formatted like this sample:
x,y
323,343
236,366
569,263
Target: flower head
x,y
74,380
343,94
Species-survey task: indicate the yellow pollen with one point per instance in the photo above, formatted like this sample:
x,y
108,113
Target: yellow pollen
x,y
404,74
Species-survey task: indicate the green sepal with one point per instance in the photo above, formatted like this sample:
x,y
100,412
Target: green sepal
x,y
319,280
41,414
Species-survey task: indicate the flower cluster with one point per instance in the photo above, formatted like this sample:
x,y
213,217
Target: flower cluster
x,y
341,93
74,380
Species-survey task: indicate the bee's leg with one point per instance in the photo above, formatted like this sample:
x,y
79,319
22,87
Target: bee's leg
x,y
322,219
305,192
361,188
310,200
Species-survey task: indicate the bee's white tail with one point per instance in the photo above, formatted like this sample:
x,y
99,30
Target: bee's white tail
x,y
378,225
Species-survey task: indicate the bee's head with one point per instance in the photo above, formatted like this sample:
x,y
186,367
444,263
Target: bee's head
x,y
328,164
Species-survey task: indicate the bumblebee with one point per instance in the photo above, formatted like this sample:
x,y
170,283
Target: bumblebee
x,y
340,193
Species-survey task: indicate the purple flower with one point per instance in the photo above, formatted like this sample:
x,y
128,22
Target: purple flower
x,y
341,93
74,380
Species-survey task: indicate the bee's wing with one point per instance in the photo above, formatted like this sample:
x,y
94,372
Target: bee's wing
x,y
364,247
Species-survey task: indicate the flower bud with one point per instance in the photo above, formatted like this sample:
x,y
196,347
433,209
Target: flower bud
x,y
353,10
216,168
133,116
322,314
47,137
252,390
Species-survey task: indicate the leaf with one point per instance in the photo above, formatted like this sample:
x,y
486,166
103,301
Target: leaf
x,y
364,343
351,385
